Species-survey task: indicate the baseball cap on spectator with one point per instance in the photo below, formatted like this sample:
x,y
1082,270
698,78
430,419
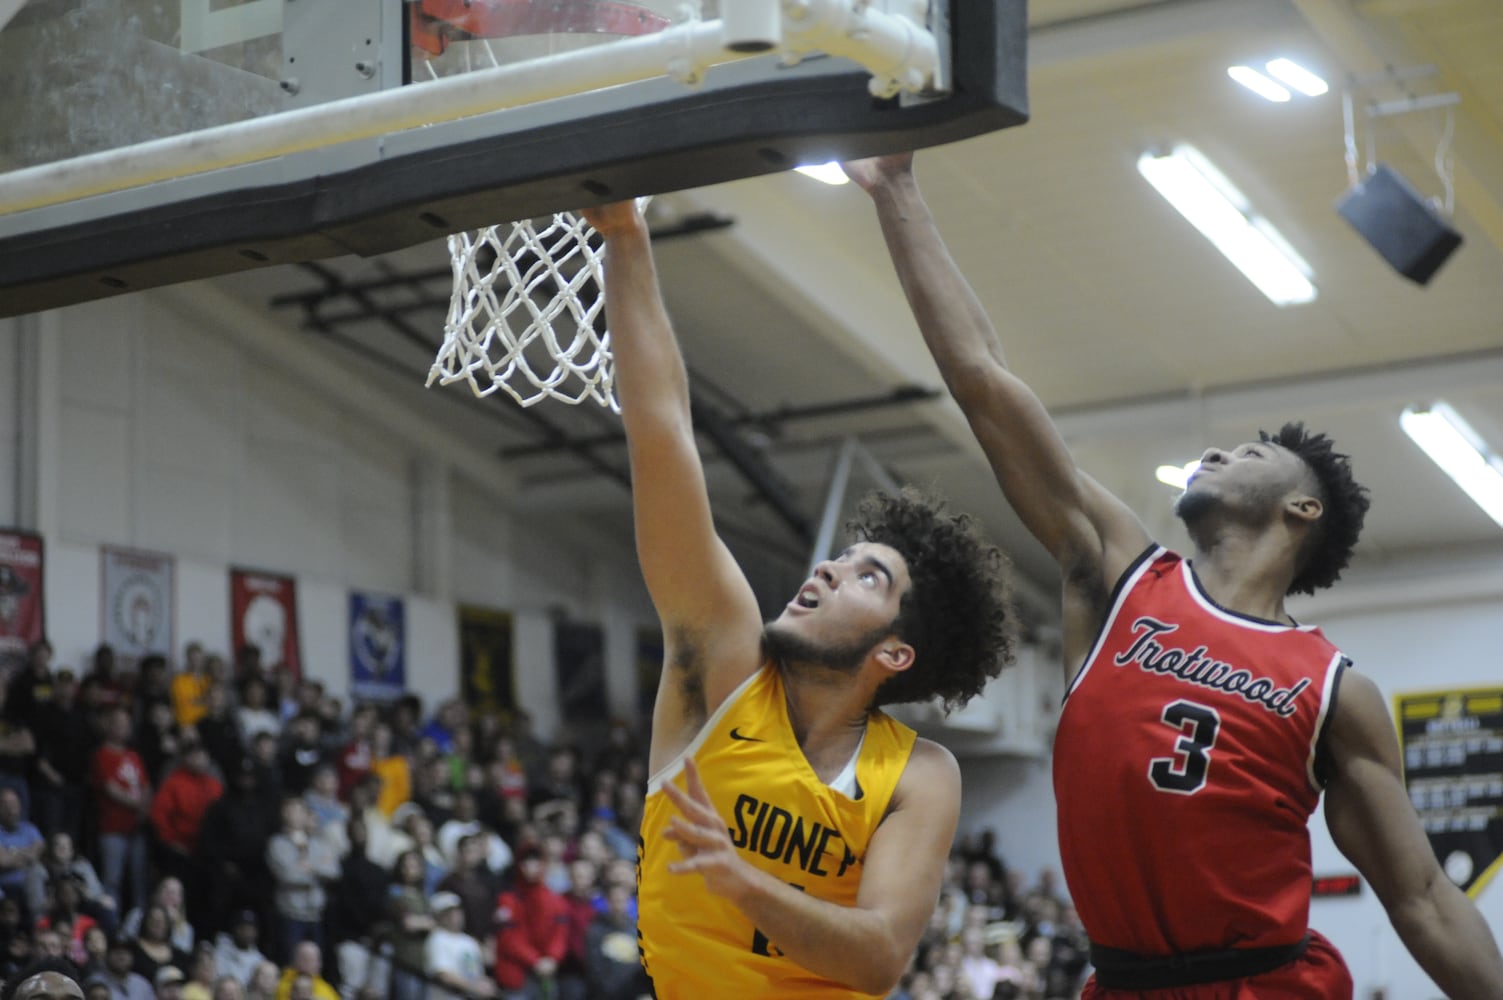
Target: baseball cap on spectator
x,y
246,917
168,974
444,901
402,814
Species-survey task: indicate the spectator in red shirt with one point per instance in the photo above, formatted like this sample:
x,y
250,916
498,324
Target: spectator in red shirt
x,y
122,797
177,813
533,934
67,915
178,809
354,758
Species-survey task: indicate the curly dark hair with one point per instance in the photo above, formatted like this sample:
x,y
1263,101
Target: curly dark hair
x,y
1328,550
957,613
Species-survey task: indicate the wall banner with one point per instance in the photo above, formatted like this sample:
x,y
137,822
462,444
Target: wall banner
x,y
579,667
263,613
1453,768
137,604
485,660
378,647
22,618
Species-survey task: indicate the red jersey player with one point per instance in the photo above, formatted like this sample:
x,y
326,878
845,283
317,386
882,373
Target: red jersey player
x,y
1202,723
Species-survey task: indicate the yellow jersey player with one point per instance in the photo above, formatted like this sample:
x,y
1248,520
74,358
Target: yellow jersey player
x,y
794,836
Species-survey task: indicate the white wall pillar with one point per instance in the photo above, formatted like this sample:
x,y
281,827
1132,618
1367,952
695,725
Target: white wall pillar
x,y
38,422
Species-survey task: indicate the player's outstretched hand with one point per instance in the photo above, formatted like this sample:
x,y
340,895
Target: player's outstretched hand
x,y
702,837
611,219
874,171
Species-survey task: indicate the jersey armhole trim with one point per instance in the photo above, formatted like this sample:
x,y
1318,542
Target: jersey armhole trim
x,y
670,770
1119,594
1320,758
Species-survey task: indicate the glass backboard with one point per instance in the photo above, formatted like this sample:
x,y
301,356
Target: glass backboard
x,y
151,141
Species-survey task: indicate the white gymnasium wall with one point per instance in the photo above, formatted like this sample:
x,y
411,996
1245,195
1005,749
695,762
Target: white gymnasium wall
x,y
1014,796
1435,625
189,425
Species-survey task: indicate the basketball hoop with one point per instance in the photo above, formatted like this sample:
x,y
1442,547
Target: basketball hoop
x,y
525,314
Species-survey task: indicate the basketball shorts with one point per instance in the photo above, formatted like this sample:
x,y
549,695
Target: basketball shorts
x,y
1318,974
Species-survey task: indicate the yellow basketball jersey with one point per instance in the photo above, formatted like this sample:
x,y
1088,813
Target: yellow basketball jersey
x,y
784,820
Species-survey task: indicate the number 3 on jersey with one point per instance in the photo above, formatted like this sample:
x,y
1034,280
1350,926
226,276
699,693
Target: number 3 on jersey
x,y
1185,772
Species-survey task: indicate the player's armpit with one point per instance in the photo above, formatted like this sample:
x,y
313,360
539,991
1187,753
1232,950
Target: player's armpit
x,y
1122,536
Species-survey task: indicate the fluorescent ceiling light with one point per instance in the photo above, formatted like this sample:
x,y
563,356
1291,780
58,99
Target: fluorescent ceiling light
x,y
1200,193
1177,476
1294,75
1258,83
828,173
1456,448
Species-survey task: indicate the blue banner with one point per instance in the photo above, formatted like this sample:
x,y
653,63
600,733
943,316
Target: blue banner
x,y
378,647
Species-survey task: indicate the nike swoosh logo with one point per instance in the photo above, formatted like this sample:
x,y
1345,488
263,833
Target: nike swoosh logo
x,y
736,735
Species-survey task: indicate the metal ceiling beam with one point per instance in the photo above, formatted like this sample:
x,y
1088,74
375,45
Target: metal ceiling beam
x,y
901,396
1406,381
327,294
721,430
691,224
336,288
753,468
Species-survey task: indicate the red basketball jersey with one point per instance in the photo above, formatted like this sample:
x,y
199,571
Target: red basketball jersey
x,y
1185,769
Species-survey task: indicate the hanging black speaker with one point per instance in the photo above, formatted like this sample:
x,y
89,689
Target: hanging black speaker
x,y
1400,224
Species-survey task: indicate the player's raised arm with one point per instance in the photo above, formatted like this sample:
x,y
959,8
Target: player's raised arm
x,y
1372,822
711,622
1087,529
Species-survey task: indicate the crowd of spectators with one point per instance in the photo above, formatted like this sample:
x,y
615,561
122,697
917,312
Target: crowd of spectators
x,y
224,831
993,937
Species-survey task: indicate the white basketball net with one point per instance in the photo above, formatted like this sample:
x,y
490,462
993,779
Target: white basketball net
x,y
522,315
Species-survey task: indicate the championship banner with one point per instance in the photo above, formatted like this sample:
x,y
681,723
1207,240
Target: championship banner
x,y
485,661
22,621
579,666
378,647
1453,767
263,613
137,604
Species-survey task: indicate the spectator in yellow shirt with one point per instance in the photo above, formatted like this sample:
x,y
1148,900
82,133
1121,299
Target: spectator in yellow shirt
x,y
393,770
307,962
190,687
